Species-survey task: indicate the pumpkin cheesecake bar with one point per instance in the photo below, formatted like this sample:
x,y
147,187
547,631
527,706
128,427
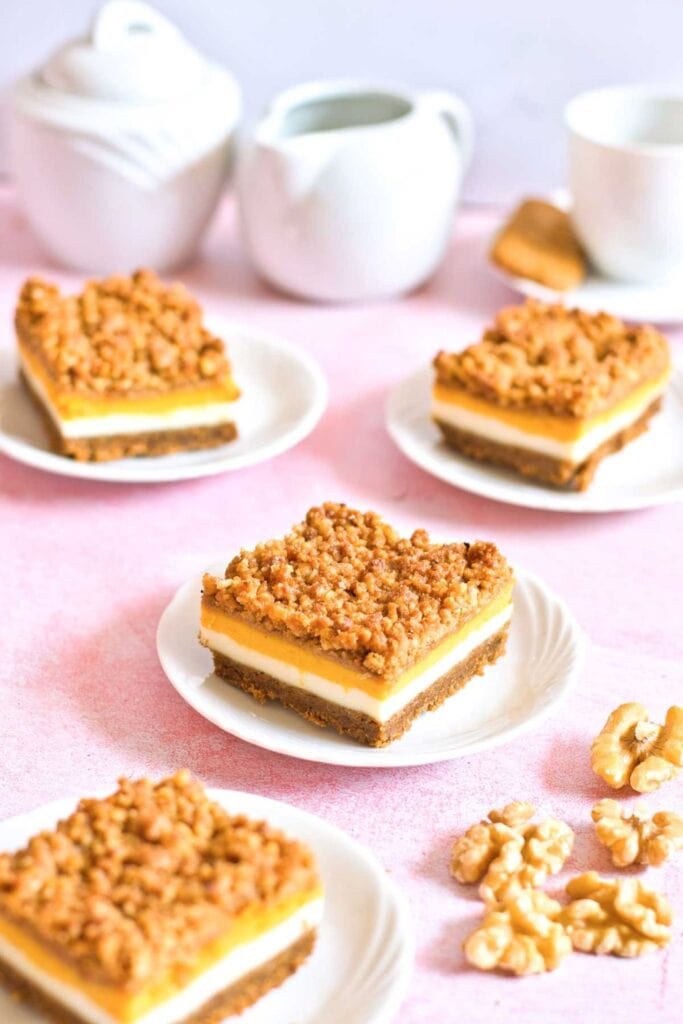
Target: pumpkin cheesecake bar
x,y
155,906
125,368
550,391
353,626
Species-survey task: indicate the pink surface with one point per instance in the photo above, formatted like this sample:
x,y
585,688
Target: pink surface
x,y
86,570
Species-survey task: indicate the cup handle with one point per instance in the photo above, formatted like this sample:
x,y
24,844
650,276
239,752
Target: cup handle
x,y
458,116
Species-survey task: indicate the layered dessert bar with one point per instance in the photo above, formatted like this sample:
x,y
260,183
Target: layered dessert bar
x,y
125,368
551,391
155,906
353,626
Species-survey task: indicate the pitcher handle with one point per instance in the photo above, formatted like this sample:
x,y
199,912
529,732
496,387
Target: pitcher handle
x,y
458,116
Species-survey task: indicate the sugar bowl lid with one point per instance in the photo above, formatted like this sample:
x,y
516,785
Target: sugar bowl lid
x,y
132,53
133,71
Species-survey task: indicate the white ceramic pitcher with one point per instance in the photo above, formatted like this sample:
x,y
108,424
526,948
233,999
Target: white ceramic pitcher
x,y
347,190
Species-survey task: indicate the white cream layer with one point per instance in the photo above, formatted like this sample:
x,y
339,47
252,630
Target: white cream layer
x,y
350,697
225,972
571,451
131,423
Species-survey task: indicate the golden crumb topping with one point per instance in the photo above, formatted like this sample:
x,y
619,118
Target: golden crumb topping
x,y
120,335
348,582
139,882
552,359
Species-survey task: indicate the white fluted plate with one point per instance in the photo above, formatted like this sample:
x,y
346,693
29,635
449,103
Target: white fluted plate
x,y
284,394
361,967
543,659
648,471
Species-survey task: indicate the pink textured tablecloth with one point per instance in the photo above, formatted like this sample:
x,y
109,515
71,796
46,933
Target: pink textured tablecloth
x,y
86,569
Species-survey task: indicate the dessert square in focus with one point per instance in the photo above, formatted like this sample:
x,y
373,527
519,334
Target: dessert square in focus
x,y
155,905
550,391
125,368
355,627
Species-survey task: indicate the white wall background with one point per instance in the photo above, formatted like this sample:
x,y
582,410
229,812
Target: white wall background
x,y
515,61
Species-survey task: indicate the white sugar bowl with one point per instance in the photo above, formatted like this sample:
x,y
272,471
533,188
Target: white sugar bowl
x,y
121,143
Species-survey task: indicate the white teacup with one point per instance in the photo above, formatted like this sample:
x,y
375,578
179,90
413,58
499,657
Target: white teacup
x,y
347,190
626,180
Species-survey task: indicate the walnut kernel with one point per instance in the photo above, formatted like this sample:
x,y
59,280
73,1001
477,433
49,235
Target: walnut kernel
x,y
620,917
632,749
509,853
523,936
637,838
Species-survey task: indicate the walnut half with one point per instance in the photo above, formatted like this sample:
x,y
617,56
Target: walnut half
x,y
509,853
523,936
632,749
617,916
637,838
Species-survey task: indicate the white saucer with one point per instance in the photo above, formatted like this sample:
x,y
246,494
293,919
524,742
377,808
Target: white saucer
x,y
639,303
284,394
361,967
660,303
542,662
648,471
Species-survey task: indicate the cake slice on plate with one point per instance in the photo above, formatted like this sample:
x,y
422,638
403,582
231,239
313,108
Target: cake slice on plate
x,y
125,368
155,906
550,391
353,626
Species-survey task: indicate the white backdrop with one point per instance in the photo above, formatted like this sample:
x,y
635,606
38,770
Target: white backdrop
x,y
515,61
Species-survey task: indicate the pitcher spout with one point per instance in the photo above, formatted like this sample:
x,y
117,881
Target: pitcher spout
x,y
295,160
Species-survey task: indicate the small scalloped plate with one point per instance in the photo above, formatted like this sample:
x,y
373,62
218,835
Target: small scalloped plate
x,y
647,472
543,659
363,960
284,394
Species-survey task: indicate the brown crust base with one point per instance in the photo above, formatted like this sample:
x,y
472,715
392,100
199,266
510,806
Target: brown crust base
x,y
357,724
121,446
558,472
232,1001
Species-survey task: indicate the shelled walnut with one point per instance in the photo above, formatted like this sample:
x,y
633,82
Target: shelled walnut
x,y
523,936
508,853
637,838
632,749
616,916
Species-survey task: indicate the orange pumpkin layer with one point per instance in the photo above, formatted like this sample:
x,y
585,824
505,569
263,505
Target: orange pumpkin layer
x,y
127,1007
73,405
544,424
306,659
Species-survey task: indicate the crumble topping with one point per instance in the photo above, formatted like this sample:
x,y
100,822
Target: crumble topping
x,y
133,884
121,334
347,581
552,359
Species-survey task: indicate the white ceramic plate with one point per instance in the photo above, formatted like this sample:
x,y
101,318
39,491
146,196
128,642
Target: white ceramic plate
x,y
361,967
639,303
284,394
648,303
543,659
648,471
